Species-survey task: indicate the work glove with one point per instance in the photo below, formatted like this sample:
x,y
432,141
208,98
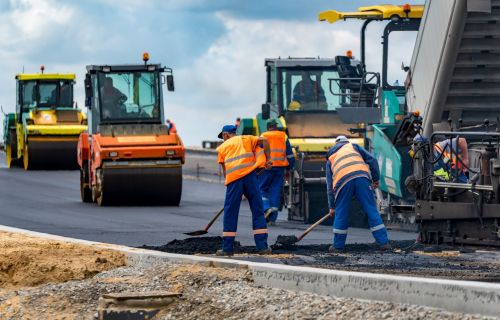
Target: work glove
x,y
332,212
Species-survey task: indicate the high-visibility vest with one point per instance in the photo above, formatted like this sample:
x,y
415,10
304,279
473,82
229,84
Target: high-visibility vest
x,y
277,144
238,153
447,157
346,161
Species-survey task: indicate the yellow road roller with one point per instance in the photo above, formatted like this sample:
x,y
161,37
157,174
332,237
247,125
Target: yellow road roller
x,y
43,131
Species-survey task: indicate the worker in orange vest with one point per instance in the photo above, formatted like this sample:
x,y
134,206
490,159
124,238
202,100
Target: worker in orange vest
x,y
271,181
452,160
171,126
349,171
238,158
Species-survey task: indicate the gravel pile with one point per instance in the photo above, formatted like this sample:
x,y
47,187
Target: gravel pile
x,y
207,293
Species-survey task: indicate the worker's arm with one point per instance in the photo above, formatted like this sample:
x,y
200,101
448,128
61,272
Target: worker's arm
x,y
329,186
267,151
371,162
464,151
289,155
220,160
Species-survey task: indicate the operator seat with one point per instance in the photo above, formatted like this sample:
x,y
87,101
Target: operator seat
x,y
359,92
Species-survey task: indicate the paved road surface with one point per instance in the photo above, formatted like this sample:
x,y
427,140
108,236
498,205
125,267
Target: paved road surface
x,y
49,201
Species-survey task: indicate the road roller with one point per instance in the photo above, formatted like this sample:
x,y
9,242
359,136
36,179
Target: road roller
x,y
129,155
43,131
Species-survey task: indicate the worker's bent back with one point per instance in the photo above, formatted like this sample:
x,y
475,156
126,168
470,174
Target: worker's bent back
x,y
237,154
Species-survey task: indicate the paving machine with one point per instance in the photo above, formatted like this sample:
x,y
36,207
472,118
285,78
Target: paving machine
x,y
386,136
300,98
128,154
452,93
43,131
458,95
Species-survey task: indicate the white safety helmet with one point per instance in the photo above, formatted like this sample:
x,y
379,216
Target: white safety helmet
x,y
341,139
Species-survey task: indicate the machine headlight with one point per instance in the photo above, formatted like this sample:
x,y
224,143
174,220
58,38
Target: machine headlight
x,y
113,154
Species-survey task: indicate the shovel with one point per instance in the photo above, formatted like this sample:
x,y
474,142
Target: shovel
x,y
291,240
210,223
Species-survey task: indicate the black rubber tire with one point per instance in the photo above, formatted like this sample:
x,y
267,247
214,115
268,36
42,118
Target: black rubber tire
x,y
85,191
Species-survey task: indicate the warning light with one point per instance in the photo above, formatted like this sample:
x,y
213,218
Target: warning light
x,y
406,8
42,68
349,54
145,57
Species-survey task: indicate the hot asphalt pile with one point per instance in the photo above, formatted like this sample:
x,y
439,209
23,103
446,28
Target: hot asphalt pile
x,y
407,258
207,293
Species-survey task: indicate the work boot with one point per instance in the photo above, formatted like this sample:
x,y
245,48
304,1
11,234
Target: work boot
x,y
386,247
223,253
332,249
265,251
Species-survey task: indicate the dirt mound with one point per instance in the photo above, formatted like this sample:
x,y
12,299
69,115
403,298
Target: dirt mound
x,y
28,261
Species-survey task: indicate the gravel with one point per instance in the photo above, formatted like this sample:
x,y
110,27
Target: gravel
x,y
207,293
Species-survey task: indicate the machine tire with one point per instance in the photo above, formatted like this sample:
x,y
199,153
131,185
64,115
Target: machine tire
x,y
85,191
100,197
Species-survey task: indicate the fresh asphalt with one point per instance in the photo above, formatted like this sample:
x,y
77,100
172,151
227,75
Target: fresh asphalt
x,y
49,201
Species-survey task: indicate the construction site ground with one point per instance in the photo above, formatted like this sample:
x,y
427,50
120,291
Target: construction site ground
x,y
207,292
406,258
48,201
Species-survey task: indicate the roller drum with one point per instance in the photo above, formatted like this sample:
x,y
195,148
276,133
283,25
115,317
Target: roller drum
x,y
141,185
51,153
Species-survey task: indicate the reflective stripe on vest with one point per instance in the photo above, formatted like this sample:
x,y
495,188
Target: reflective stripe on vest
x,y
261,158
239,157
277,146
448,158
229,234
346,161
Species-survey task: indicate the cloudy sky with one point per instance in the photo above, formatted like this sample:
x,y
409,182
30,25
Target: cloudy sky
x,y
216,47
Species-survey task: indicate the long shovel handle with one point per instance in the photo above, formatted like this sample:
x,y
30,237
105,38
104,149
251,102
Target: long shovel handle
x,y
211,222
326,216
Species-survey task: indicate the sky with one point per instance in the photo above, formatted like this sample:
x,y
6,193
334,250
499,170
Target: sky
x,y
215,47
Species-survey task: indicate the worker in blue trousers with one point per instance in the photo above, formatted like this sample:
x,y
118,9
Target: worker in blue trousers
x,y
238,158
271,181
352,172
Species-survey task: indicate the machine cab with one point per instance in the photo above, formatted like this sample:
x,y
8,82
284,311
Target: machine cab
x,y
303,92
39,95
126,94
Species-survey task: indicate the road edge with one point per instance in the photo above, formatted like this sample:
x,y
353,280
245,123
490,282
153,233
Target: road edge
x,y
450,295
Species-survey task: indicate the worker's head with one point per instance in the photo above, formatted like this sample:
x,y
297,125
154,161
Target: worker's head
x,y
341,139
108,83
272,125
168,120
228,131
294,106
305,75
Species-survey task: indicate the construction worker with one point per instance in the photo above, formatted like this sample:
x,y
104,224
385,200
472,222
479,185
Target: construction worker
x,y
237,123
309,94
271,181
112,100
452,158
171,126
349,170
237,156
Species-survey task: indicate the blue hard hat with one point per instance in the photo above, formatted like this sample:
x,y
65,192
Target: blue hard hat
x,y
229,128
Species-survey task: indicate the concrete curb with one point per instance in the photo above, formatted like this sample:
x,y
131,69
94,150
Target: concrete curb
x,y
451,295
